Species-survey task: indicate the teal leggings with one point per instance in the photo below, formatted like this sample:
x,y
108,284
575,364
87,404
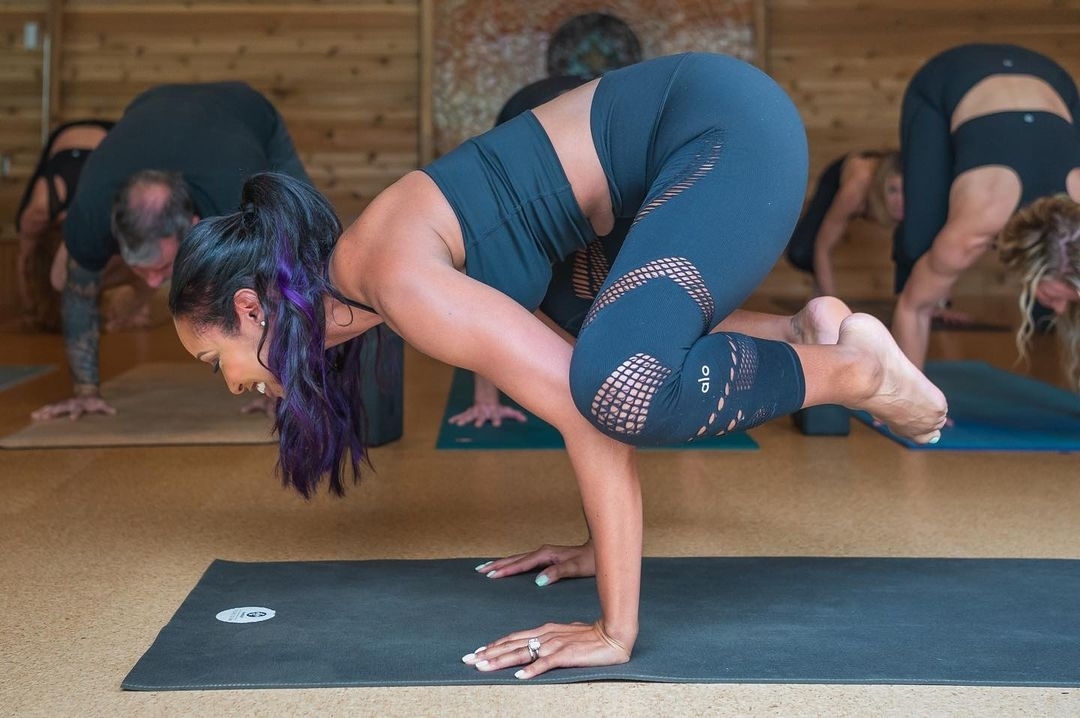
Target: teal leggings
x,y
708,156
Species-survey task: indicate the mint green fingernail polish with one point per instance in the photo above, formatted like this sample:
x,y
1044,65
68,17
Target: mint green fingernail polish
x,y
484,565
491,574
541,580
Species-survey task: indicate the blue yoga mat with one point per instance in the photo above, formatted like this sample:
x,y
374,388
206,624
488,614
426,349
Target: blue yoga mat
x,y
534,433
995,410
703,620
13,374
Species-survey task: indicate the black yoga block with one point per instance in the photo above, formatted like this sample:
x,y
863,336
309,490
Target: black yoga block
x,y
383,365
823,420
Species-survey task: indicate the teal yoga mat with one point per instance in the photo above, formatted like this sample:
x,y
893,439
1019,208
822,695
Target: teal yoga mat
x,y
703,620
533,433
13,374
995,410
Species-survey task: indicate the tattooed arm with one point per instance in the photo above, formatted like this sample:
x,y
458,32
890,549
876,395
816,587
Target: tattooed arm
x,y
81,334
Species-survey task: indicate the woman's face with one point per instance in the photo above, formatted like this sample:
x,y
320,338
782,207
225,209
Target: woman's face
x,y
235,356
1057,294
894,196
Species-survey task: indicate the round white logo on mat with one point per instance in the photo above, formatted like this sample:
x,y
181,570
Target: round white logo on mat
x,y
246,614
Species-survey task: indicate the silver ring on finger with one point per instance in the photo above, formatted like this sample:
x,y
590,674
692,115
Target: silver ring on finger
x,y
534,648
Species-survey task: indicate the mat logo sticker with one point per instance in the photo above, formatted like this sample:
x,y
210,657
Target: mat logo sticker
x,y
246,614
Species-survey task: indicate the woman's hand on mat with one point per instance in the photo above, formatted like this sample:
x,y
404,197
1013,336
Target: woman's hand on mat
x,y
558,562
74,407
554,645
261,405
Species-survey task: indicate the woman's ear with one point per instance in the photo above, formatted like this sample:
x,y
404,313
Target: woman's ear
x,y
248,308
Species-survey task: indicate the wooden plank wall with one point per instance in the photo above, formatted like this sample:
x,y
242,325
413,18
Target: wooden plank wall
x,y
846,64
344,73
20,126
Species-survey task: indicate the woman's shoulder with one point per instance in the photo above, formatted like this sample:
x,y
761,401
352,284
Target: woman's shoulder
x,y
411,199
857,173
861,165
408,216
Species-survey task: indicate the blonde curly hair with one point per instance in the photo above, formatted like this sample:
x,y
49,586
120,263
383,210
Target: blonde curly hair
x,y
1042,241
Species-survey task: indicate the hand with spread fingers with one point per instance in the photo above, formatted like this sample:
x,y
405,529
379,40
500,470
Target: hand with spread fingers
x,y
553,645
558,562
487,406
480,414
74,408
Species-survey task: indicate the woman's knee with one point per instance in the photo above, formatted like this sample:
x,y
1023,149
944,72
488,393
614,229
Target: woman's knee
x,y
620,398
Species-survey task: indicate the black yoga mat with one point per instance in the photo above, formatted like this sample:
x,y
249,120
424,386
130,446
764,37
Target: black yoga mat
x,y
703,620
535,433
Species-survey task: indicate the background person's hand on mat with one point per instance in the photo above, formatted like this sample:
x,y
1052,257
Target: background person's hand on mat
x,y
74,408
559,562
562,645
486,407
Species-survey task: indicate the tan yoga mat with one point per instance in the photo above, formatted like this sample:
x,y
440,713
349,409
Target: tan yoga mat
x,y
159,403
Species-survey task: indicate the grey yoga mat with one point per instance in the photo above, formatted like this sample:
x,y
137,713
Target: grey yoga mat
x,y
12,374
703,620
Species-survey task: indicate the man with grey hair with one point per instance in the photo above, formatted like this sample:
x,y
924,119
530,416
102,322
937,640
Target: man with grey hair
x,y
178,153
152,212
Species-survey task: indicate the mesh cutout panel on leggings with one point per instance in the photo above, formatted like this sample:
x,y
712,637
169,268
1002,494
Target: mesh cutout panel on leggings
x,y
677,269
590,270
622,402
705,162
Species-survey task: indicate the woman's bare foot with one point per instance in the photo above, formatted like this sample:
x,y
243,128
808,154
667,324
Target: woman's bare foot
x,y
898,394
819,321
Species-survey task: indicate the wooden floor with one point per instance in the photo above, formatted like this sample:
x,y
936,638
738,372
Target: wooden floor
x,y
99,547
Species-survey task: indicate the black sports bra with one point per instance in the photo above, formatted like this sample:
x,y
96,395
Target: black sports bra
x,y
1041,147
337,294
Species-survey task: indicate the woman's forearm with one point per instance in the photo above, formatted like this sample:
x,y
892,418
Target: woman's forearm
x,y
490,334
931,281
823,270
484,391
911,328
611,497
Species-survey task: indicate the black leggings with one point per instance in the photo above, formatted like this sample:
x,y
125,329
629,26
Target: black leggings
x,y
66,164
800,250
709,156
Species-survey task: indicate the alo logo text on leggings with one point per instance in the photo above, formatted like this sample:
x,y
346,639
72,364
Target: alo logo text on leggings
x,y
704,380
